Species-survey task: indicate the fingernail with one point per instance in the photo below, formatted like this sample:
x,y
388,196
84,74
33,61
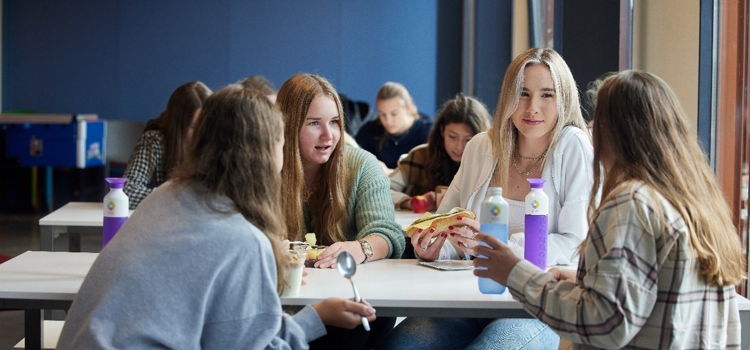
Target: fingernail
x,y
419,230
453,233
459,218
443,235
432,230
450,227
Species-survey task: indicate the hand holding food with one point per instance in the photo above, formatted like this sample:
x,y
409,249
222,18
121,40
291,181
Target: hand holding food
x,y
428,233
440,222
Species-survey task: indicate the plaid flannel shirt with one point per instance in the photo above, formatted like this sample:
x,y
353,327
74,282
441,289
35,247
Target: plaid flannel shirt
x,y
144,171
638,284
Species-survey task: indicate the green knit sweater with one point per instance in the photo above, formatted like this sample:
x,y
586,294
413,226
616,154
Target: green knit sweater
x,y
369,208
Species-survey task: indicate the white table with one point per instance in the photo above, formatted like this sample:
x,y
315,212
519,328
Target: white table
x,y
77,218
34,281
74,218
405,288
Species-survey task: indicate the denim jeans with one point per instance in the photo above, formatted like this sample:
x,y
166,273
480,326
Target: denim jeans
x,y
516,333
470,333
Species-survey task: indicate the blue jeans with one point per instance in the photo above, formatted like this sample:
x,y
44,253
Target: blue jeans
x,y
471,333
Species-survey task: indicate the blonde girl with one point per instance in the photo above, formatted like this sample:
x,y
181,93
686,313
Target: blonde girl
x,y
660,263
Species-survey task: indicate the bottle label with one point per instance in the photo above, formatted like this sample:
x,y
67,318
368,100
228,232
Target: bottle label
x,y
537,203
494,213
116,207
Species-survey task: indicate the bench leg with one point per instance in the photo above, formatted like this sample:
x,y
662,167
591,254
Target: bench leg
x,y
33,329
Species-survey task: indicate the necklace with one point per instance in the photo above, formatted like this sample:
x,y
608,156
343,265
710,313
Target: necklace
x,y
532,158
527,172
531,170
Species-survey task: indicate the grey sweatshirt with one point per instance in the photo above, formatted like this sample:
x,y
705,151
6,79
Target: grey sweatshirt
x,y
181,275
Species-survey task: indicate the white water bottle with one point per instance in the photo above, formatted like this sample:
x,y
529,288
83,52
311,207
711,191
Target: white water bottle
x,y
494,222
116,208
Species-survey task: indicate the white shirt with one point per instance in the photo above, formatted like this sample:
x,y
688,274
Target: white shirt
x,y
569,176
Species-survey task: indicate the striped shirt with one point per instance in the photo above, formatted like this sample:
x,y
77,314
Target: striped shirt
x,y
638,284
144,171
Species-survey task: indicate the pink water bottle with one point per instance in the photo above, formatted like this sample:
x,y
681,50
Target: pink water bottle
x,y
535,224
116,206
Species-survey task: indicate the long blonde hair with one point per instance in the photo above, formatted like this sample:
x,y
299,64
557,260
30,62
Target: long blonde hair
x,y
639,123
326,203
503,134
233,155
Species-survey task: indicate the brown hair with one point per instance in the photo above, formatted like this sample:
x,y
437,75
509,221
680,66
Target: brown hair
x,y
258,82
461,110
233,155
503,134
641,126
326,202
176,119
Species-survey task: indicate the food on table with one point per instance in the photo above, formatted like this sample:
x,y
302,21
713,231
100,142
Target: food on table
x,y
310,238
312,254
440,222
419,204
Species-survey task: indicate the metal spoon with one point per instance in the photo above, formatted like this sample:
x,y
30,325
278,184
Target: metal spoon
x,y
347,267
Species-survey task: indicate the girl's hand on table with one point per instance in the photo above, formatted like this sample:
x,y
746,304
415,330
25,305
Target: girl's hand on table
x,y
327,258
431,202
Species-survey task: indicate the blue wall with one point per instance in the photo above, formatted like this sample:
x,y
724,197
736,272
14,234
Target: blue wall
x,y
122,59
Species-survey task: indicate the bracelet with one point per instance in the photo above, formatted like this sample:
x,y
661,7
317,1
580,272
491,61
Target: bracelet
x,y
366,249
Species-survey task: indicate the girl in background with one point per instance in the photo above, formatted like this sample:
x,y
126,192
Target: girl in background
x,y
200,265
398,129
436,162
162,145
660,263
338,192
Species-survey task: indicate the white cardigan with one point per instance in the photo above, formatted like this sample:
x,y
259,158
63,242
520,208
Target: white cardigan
x,y
569,176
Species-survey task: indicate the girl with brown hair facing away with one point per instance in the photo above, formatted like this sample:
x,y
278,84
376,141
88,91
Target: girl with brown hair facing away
x,y
216,221
338,192
659,266
163,144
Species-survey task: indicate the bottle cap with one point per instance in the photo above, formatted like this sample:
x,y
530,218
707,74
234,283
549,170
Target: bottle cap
x,y
116,182
496,191
536,183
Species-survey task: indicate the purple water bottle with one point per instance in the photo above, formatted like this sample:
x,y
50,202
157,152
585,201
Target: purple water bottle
x,y
116,208
535,224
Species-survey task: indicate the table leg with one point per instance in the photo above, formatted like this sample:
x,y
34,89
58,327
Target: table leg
x,y
74,242
33,329
745,336
47,238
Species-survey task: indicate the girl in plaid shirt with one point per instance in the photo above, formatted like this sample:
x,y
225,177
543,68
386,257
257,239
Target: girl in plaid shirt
x,y
659,266
163,143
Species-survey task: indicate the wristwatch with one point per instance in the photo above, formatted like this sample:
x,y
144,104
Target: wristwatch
x,y
367,249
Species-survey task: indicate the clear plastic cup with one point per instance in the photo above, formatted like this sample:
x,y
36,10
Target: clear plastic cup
x,y
295,266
